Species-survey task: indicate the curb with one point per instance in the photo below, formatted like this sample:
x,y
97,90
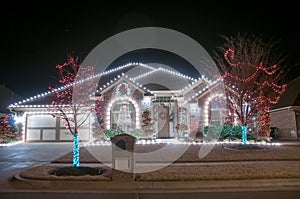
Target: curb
x,y
255,184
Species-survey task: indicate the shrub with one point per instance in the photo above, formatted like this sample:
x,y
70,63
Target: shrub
x,y
9,132
109,133
237,131
226,131
212,131
136,133
223,132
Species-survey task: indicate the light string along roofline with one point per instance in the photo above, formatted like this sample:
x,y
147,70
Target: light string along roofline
x,y
20,103
117,78
70,85
202,91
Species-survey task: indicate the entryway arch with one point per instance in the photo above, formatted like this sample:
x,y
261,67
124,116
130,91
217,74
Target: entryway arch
x,y
120,110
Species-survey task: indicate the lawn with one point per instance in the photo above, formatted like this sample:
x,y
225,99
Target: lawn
x,y
224,162
219,153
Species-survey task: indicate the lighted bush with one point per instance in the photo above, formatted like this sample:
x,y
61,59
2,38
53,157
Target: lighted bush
x,y
226,131
211,131
136,133
8,130
223,132
109,133
236,131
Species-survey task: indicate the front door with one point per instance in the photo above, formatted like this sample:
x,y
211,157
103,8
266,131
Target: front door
x,y
163,121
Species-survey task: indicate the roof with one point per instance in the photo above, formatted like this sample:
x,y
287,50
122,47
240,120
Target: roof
x,y
292,95
7,97
138,74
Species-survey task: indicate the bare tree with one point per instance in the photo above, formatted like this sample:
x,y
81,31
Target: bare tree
x,y
254,73
75,112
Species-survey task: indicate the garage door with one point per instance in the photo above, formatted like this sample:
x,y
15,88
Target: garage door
x,y
46,128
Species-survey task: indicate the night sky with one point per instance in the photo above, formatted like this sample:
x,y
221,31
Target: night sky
x,y
35,36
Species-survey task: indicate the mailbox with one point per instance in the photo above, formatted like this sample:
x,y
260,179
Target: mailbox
x,y
123,155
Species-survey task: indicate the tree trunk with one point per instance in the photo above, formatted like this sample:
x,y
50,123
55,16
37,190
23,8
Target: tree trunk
x,y
76,162
244,134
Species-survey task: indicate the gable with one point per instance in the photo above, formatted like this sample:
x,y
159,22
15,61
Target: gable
x,y
136,79
122,87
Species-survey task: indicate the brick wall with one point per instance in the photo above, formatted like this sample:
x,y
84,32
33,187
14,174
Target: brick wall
x,y
285,121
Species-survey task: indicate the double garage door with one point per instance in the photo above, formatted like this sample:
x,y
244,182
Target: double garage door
x,y
46,128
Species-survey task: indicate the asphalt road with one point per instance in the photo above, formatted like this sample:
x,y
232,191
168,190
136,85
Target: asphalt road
x,y
208,194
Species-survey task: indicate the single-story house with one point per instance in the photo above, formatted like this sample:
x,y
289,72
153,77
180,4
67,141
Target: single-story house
x,y
172,99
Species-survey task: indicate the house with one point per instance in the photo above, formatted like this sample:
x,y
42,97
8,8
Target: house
x,y
172,99
7,96
285,115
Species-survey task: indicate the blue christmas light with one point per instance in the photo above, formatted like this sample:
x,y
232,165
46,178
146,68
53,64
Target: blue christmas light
x,y
244,134
76,151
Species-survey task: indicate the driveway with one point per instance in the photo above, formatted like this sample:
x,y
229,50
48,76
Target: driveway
x,y
18,157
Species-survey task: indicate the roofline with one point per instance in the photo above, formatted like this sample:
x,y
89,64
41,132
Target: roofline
x,y
123,78
285,108
41,95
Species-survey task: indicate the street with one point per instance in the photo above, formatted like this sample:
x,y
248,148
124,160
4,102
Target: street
x,y
203,194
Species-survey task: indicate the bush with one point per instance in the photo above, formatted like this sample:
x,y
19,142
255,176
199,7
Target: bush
x,y
212,131
223,132
136,133
119,131
9,132
226,131
237,132
109,133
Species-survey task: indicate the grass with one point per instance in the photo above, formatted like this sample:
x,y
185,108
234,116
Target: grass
x,y
219,153
224,162
224,172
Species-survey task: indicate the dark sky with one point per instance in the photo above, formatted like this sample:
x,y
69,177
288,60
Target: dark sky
x,y
35,36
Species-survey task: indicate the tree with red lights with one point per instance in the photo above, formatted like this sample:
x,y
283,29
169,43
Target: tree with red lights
x,y
8,129
71,102
253,74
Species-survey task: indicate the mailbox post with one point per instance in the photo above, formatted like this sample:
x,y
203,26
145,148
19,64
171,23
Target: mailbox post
x,y
123,161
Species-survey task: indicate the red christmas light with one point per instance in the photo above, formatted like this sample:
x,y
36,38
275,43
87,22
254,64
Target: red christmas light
x,y
69,110
252,86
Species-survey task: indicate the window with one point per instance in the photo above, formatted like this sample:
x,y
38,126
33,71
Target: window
x,y
123,115
217,111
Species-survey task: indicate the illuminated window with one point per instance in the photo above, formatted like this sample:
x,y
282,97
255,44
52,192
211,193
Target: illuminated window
x,y
217,111
123,116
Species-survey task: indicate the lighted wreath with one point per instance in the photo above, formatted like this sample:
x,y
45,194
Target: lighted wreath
x,y
123,89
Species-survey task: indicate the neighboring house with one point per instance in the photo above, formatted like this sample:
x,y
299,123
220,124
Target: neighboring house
x,y
285,116
171,97
7,97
